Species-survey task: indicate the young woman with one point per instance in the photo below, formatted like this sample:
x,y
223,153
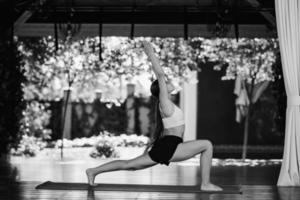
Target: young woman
x,y
167,145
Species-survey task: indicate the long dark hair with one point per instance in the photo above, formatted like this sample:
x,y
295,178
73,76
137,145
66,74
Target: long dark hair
x,y
158,121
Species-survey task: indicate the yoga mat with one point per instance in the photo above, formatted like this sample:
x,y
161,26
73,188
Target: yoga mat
x,y
135,188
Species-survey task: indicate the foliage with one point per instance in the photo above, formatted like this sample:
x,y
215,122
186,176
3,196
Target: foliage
x,y
265,128
122,140
105,144
11,94
35,52
123,59
35,120
50,72
250,58
28,146
78,64
114,117
104,149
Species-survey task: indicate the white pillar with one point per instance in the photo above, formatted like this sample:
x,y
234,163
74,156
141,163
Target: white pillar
x,y
189,103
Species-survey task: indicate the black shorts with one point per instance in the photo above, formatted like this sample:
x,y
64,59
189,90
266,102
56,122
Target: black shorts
x,y
164,148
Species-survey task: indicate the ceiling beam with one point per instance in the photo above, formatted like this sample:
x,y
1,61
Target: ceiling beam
x,y
22,19
146,30
29,9
267,15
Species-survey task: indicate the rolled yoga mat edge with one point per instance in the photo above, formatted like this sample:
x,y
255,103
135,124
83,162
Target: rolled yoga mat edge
x,y
48,185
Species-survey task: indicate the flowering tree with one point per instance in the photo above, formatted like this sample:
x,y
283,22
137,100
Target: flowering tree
x,y
249,62
49,71
250,58
77,63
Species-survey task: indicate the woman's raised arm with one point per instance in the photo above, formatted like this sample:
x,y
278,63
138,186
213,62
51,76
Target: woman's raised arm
x,y
165,102
158,71
153,59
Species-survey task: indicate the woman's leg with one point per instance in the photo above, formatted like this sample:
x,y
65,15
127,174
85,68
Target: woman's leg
x,y
188,150
140,162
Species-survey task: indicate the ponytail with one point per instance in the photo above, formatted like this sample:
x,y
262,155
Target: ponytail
x,y
158,127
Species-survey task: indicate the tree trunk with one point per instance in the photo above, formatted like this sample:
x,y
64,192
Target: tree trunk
x,y
63,122
247,118
246,131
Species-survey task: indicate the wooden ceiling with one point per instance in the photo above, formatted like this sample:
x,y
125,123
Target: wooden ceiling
x,y
162,18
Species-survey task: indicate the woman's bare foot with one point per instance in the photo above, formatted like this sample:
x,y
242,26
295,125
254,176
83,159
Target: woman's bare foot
x,y
210,187
90,176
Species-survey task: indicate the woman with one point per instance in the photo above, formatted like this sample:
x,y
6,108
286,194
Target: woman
x,y
167,145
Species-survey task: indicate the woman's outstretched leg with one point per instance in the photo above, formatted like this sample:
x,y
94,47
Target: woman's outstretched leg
x,y
188,150
140,162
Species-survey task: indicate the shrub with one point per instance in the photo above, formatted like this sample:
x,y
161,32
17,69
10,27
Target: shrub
x,y
104,144
121,141
35,120
133,140
28,146
104,149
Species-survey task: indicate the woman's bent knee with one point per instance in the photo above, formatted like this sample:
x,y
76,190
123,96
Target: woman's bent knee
x,y
205,145
209,145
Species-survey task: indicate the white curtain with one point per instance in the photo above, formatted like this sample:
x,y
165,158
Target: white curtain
x,y
288,26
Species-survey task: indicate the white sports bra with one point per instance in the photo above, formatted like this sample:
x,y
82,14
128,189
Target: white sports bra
x,y
176,119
